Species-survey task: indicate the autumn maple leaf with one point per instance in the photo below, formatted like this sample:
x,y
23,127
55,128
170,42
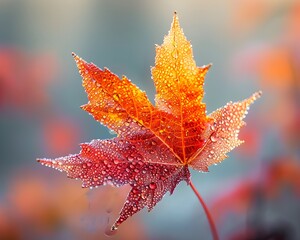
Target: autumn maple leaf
x,y
155,145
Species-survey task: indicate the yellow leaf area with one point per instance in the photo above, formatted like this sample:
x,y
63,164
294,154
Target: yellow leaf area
x,y
177,124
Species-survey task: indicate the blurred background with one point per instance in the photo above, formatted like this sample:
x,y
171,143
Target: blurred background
x,y
253,44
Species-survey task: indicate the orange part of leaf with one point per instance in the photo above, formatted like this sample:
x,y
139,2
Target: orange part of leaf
x,y
113,101
179,86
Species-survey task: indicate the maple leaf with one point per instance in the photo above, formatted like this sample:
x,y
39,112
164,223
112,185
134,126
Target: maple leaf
x,y
155,145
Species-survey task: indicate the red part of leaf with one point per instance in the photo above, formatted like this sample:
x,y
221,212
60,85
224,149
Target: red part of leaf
x,y
118,162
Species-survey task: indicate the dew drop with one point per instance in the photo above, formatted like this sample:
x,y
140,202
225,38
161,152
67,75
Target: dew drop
x,y
143,196
213,138
112,132
110,231
174,54
152,185
95,179
88,164
135,191
116,161
162,178
116,97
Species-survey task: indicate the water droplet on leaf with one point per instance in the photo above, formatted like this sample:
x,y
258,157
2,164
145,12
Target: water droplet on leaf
x,y
152,185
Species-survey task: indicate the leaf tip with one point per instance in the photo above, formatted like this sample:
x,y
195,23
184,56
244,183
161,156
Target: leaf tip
x,y
205,68
114,228
208,66
175,23
76,57
45,161
84,106
255,96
